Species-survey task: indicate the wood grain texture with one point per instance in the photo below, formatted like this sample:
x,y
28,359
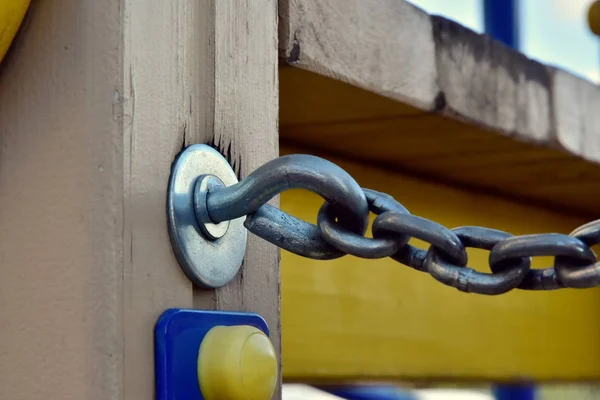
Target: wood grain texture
x,y
160,53
334,117
96,100
378,45
577,116
486,82
242,123
390,75
62,214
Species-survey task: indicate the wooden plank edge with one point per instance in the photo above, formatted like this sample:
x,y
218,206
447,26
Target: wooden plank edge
x,y
396,50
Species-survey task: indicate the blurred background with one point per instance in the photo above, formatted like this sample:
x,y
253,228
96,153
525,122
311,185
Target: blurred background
x,y
551,31
554,32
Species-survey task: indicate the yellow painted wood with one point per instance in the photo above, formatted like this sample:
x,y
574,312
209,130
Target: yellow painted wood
x,y
354,318
333,116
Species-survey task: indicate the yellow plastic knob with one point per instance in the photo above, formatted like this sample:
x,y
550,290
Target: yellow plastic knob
x,y
237,363
12,13
594,17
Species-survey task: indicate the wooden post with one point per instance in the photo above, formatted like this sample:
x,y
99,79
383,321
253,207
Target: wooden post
x,y
97,97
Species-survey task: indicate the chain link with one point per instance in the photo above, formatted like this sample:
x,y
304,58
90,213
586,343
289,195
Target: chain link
x,y
342,222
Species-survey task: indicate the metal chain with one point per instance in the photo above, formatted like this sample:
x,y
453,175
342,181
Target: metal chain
x,y
343,220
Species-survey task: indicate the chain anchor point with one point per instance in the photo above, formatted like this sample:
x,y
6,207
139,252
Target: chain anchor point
x,y
209,253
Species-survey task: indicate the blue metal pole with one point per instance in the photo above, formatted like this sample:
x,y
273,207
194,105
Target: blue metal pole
x,y
501,21
514,392
368,392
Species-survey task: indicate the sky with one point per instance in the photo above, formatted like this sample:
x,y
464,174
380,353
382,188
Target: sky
x,y
554,32
304,392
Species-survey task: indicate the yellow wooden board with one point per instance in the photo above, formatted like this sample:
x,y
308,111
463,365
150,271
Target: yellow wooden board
x,y
363,319
327,114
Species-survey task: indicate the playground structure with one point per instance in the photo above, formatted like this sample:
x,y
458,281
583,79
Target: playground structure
x,y
97,99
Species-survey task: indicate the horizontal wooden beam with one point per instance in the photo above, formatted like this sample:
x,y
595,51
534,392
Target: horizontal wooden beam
x,y
379,320
384,82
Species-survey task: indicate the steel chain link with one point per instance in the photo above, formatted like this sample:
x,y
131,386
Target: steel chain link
x,y
343,219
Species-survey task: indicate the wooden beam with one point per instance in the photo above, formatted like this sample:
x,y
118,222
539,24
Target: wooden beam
x,y
240,119
385,82
396,50
62,217
96,100
384,46
356,319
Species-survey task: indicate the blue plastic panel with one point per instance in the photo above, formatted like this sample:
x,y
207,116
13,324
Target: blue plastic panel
x,y
177,337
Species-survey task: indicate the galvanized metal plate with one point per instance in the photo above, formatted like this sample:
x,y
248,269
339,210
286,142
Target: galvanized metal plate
x,y
208,263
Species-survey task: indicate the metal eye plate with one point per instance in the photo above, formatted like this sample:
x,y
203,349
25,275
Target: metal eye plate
x,y
208,263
